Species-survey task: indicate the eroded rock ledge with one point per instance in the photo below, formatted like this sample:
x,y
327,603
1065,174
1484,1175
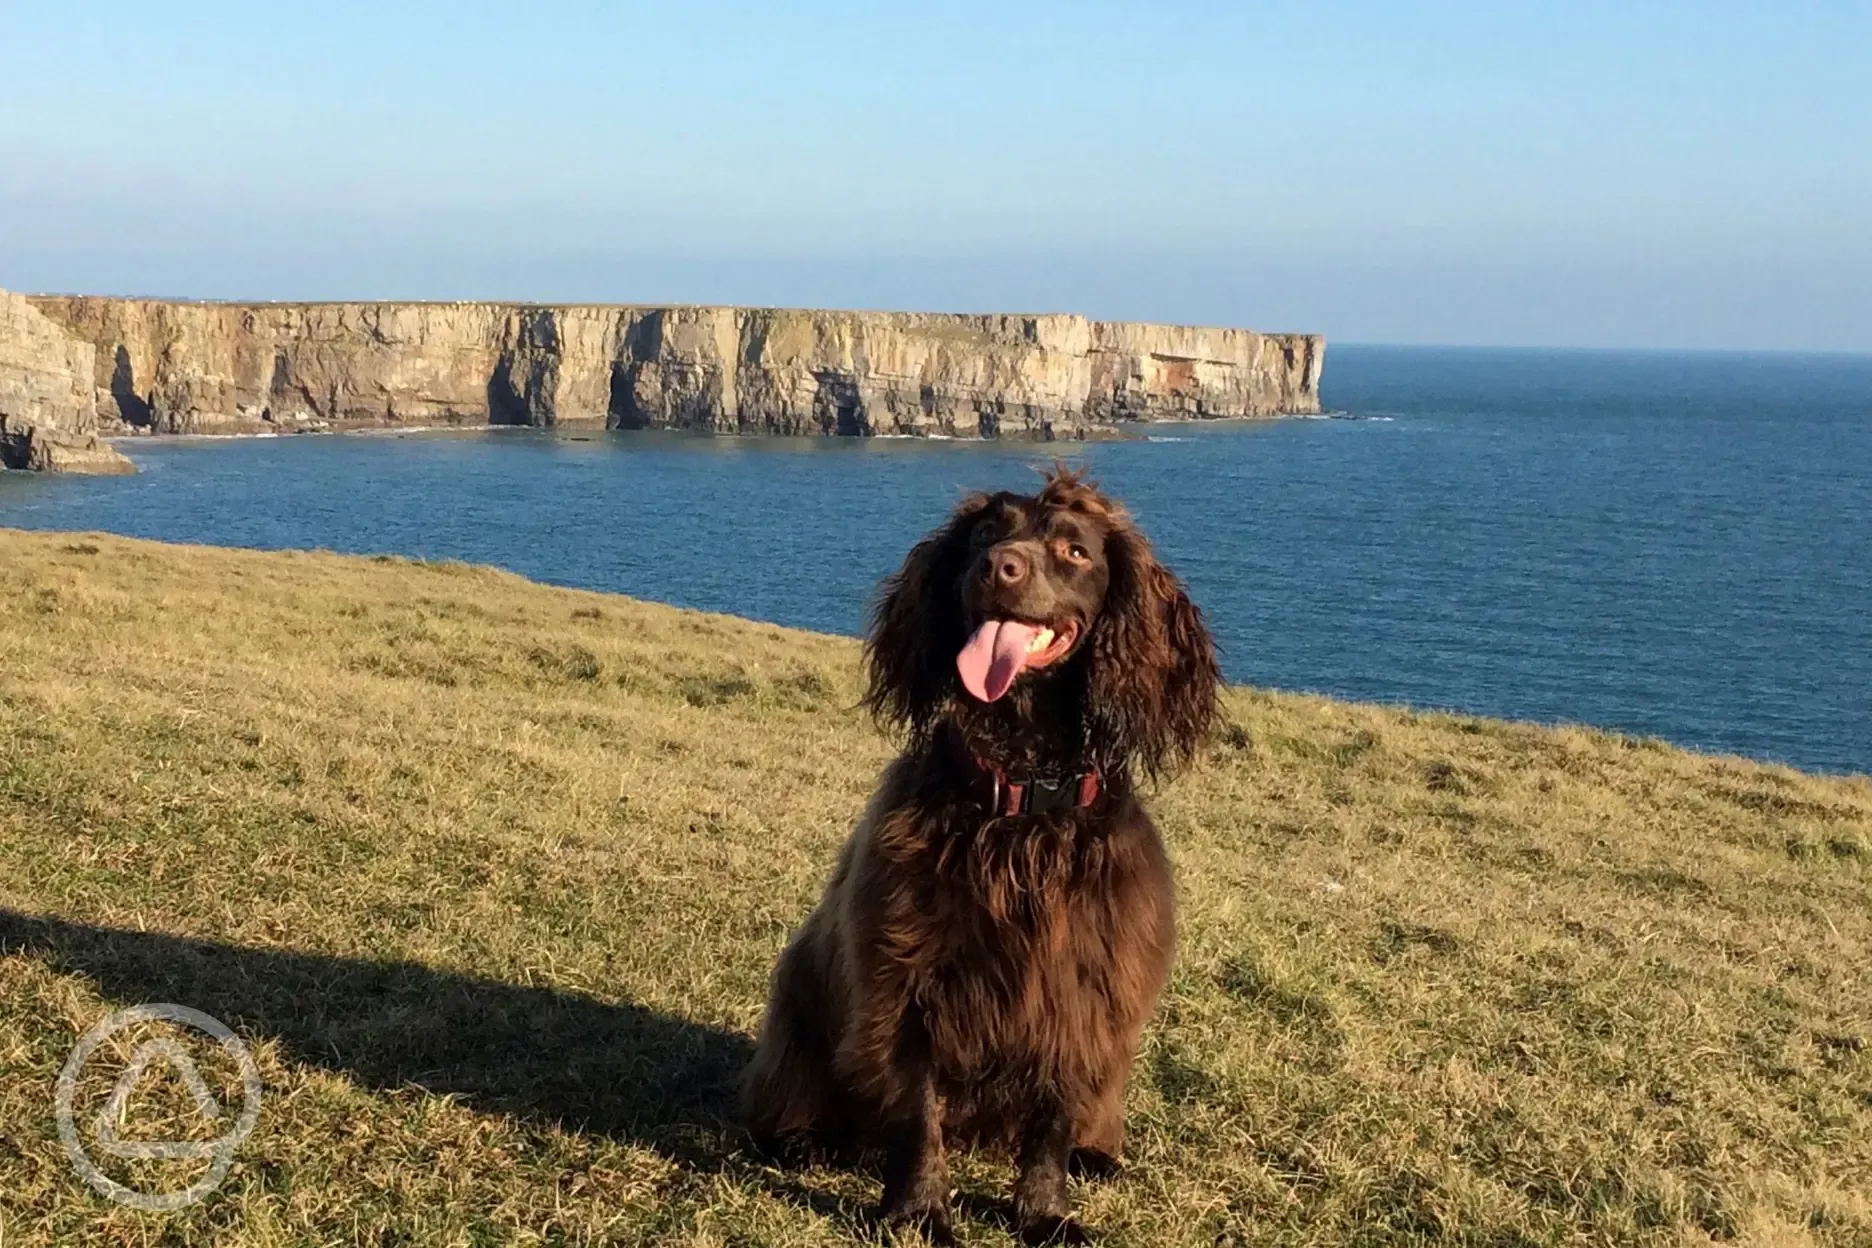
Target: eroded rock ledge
x,y
48,406
222,367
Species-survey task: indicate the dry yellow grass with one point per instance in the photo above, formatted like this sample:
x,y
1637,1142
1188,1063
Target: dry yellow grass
x,y
491,874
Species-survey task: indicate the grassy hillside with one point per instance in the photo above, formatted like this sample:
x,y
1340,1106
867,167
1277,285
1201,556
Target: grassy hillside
x,y
491,875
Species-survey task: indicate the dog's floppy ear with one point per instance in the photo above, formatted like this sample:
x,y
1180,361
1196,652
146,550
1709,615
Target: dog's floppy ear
x,y
917,626
1154,677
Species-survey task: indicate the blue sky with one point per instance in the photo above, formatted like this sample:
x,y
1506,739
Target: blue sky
x,y
1566,173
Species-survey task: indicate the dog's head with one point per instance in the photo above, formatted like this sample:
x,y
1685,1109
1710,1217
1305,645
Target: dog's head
x,y
1055,593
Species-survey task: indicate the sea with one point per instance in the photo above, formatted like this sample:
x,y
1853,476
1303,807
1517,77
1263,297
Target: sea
x,y
1667,545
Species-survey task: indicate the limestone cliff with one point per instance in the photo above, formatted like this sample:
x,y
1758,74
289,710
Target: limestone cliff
x,y
48,409
200,367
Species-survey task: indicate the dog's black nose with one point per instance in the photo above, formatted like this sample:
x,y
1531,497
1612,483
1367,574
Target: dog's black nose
x,y
1010,567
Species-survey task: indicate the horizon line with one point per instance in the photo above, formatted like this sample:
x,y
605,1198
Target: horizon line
x,y
1327,339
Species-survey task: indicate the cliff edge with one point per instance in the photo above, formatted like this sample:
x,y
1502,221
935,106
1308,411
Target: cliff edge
x,y
174,367
48,408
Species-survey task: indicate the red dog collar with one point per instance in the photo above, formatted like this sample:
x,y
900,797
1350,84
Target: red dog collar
x,y
1035,795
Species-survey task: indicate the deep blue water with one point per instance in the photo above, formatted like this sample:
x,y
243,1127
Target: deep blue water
x,y
1671,545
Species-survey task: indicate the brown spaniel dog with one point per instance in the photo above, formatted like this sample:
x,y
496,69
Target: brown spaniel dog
x,y
997,929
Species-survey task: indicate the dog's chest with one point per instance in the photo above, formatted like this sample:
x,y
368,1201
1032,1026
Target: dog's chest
x,y
1020,974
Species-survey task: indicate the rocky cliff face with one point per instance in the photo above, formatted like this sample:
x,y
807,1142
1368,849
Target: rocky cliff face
x,y
48,409
206,367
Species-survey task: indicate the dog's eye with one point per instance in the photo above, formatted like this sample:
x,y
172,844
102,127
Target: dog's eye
x,y
1078,553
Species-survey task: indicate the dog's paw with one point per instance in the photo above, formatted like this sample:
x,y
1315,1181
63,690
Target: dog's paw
x,y
1094,1163
795,1150
931,1220
1054,1228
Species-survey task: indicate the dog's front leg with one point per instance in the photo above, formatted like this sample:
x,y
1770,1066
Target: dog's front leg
x,y
1042,1210
916,1174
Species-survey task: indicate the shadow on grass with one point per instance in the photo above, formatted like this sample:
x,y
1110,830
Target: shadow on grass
x,y
542,1055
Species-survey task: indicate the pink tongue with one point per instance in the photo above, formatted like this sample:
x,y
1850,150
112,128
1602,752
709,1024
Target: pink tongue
x,y
993,657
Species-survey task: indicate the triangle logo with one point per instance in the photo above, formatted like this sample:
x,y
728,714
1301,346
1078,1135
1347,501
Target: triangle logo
x,y
147,1055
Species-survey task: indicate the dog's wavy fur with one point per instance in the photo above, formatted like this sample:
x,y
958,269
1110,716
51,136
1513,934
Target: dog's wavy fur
x,y
974,979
